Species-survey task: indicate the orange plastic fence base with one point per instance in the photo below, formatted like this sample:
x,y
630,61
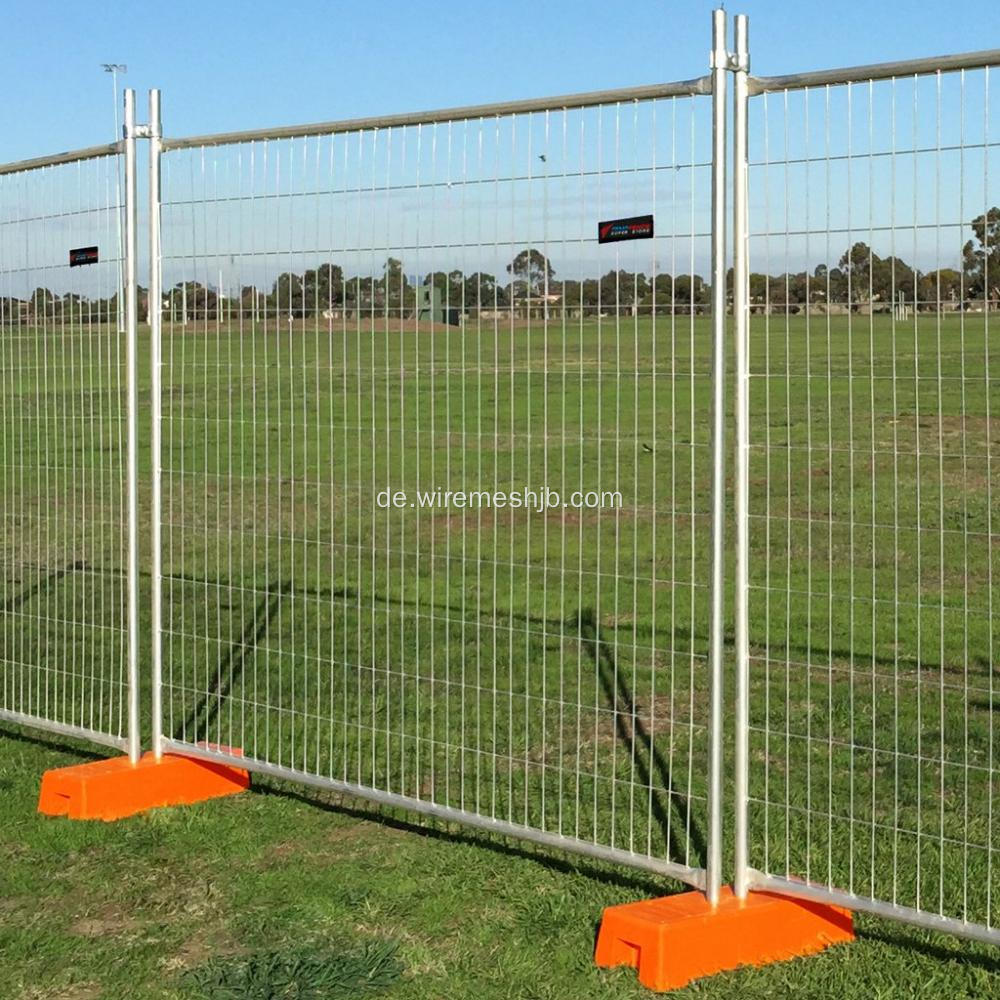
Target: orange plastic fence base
x,y
113,789
679,938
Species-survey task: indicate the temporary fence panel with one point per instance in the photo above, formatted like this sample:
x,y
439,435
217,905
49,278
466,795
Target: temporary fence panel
x,y
63,616
868,643
361,317
438,482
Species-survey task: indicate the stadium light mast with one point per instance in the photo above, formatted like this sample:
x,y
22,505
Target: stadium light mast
x,y
114,69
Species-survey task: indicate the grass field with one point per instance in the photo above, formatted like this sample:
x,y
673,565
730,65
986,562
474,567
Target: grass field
x,y
543,668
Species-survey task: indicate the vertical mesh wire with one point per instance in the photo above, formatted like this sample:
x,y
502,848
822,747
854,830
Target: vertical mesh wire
x,y
545,669
62,638
875,280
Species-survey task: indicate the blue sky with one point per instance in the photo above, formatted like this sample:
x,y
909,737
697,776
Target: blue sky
x,y
223,65
470,195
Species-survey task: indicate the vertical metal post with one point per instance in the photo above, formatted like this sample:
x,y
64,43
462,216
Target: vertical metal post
x,y
720,62
131,317
113,69
741,327
155,325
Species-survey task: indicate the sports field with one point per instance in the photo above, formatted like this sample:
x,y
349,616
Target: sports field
x,y
545,668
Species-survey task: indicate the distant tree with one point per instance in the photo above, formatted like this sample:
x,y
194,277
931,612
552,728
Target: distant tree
x,y
758,287
253,301
981,257
858,265
323,287
943,285
363,292
659,291
569,290
9,308
41,302
837,281
199,301
288,295
393,284
480,290
891,276
455,288
797,287
691,290
591,291
438,280
618,289
533,268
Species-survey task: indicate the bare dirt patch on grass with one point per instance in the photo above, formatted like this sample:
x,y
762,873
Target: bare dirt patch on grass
x,y
78,991
105,921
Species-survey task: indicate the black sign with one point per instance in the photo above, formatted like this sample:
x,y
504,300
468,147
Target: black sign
x,y
82,255
639,227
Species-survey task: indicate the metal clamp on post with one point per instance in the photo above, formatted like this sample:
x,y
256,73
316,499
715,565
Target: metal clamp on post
x,y
732,61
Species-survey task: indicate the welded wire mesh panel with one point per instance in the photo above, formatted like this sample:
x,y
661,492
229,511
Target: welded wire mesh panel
x,y
874,290
359,323
62,613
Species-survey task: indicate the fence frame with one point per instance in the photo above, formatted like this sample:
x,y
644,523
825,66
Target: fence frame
x,y
124,148
712,86
746,877
720,62
741,471
131,133
156,421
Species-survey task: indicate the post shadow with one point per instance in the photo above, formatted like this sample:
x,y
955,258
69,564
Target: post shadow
x,y
232,664
638,741
42,585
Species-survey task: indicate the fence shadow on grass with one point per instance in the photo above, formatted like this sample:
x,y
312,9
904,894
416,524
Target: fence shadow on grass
x,y
231,665
67,745
10,730
436,829
638,741
41,585
234,659
914,939
648,760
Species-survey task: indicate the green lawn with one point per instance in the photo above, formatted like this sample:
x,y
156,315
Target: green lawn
x,y
543,668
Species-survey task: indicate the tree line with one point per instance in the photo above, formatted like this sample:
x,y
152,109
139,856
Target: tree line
x,y
531,284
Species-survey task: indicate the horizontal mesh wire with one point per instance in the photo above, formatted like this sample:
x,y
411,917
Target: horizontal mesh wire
x,y
62,638
423,307
874,290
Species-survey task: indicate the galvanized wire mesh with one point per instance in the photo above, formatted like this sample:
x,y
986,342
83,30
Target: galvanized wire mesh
x,y
873,293
62,637
539,672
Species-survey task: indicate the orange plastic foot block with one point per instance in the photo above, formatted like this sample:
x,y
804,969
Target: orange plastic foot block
x,y
113,789
679,938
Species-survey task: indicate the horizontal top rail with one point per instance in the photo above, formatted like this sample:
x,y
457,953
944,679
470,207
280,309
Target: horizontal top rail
x,y
876,71
73,156
684,88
